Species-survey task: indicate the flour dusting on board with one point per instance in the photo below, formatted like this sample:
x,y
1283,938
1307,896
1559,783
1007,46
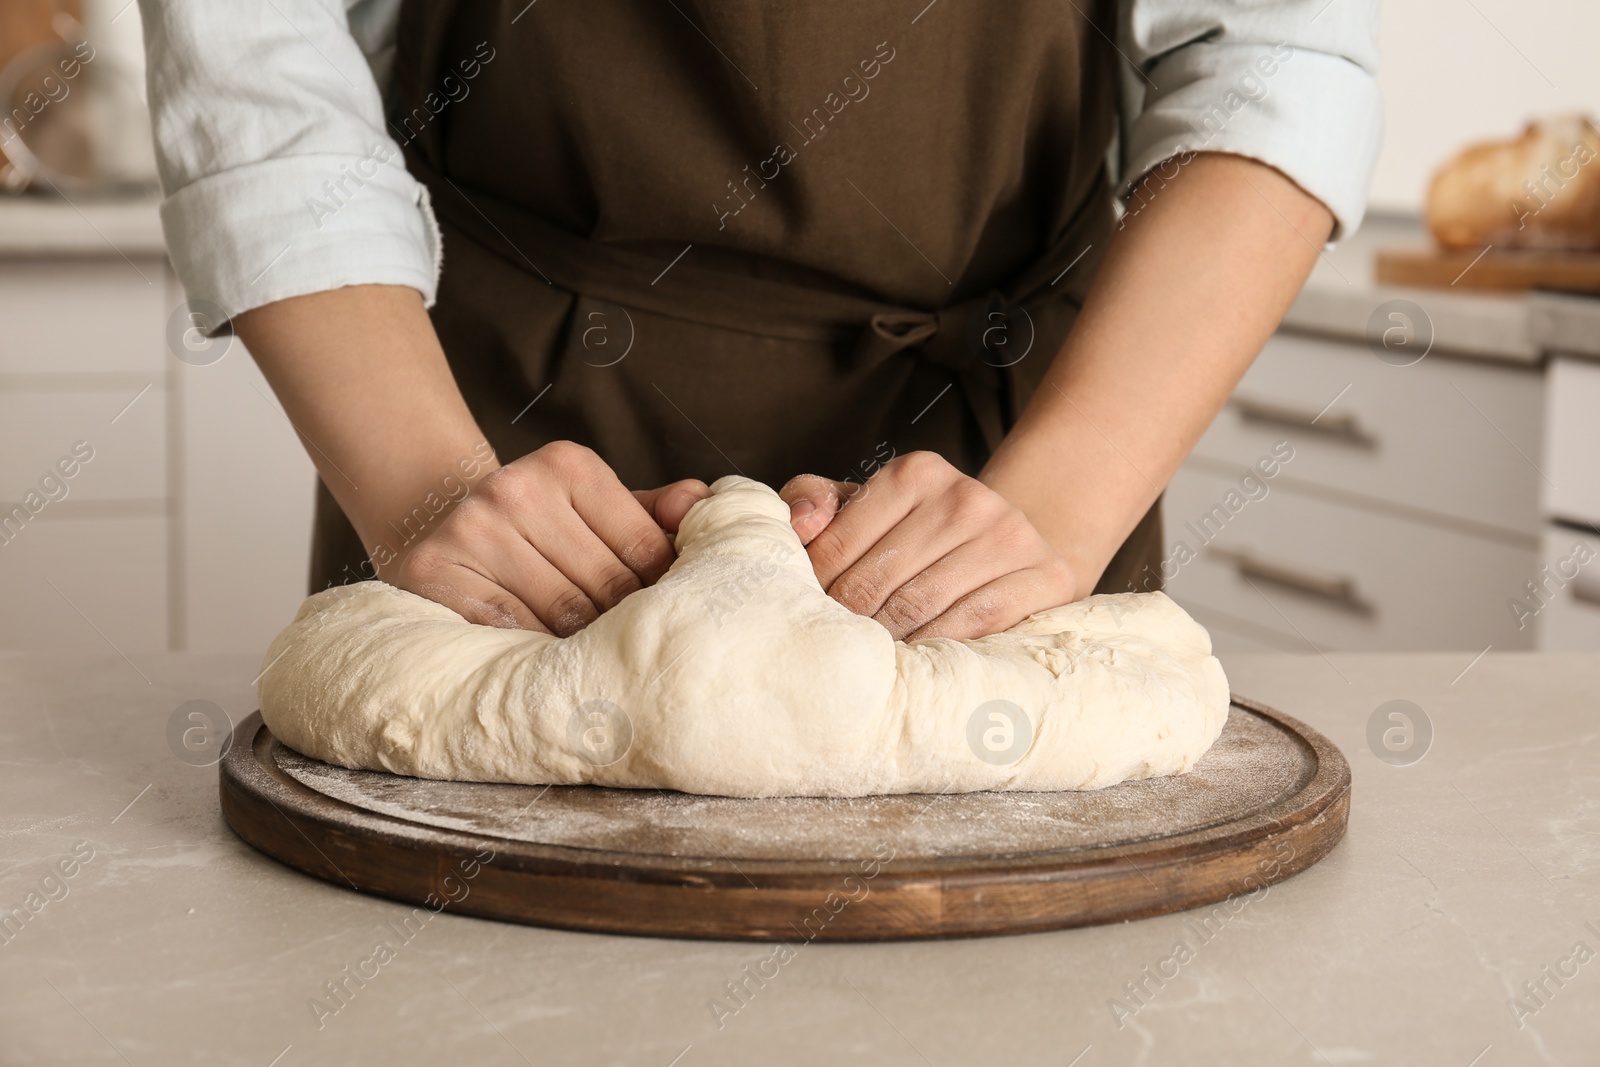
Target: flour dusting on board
x,y
1253,762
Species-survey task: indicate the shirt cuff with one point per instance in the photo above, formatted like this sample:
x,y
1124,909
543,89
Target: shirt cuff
x,y
1316,117
284,227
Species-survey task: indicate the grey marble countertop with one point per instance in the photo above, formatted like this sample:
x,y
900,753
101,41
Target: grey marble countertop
x,y
1338,301
37,226
1464,875
1341,297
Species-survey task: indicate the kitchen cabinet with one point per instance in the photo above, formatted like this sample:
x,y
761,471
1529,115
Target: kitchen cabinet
x,y
1408,512
1443,440
1574,441
1329,573
187,526
1423,496
1565,594
1563,607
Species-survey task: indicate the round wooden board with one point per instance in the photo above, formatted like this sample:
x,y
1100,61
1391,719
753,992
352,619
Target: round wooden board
x,y
1270,799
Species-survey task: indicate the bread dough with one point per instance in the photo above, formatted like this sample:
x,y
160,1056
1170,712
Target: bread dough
x,y
736,675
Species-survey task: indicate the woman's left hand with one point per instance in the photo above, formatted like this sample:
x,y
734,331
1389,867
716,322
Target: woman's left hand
x,y
926,550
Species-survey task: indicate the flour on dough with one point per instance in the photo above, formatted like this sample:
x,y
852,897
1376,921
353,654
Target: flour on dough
x,y
737,675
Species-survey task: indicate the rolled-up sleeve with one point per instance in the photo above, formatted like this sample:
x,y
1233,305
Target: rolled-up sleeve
x,y
279,176
1291,83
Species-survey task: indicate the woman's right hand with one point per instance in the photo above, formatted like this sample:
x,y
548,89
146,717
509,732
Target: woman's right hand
x,y
548,542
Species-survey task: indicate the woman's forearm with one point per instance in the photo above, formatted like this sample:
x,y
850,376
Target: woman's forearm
x,y
1191,288
362,377
1189,291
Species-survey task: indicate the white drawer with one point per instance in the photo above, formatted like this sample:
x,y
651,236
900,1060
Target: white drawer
x,y
83,315
1572,440
248,492
1450,436
114,571
38,429
1342,577
1564,608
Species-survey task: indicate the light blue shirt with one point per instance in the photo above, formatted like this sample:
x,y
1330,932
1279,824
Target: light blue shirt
x,y
281,177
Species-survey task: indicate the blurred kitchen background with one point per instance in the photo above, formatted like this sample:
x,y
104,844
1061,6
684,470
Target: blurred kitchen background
x,y
1441,436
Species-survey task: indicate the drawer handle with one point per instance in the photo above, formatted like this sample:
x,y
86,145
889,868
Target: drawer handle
x,y
1343,425
1338,590
1586,591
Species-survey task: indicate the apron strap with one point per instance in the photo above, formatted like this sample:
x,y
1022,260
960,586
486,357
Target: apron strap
x,y
980,339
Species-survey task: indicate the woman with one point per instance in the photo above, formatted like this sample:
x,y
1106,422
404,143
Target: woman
x,y
809,246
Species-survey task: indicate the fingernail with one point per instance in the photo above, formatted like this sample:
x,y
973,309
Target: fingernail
x,y
801,510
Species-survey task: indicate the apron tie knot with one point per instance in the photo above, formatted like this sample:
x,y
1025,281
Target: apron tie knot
x,y
979,339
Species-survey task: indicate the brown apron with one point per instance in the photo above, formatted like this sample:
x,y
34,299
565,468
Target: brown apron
x,y
707,238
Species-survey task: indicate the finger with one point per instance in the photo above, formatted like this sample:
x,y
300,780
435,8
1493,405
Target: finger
x,y
932,588
886,499
871,514
813,502
467,593
919,541
630,533
504,556
562,607
518,533
577,552
669,504
572,478
999,605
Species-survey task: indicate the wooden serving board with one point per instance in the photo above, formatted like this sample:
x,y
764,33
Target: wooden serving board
x,y
1505,271
1270,799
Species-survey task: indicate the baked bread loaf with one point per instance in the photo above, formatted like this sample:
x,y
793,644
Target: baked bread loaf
x,y
1539,190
